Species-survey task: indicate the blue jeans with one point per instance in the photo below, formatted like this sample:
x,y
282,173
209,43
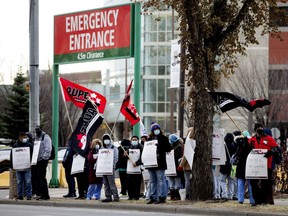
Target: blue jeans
x,y
94,190
174,182
24,180
158,187
241,191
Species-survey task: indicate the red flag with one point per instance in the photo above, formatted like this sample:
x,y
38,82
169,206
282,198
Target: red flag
x,y
128,109
78,94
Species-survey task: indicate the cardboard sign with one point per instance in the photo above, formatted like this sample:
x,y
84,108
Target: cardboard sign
x,y
256,165
217,143
171,166
134,155
190,145
35,153
21,158
77,164
149,156
105,162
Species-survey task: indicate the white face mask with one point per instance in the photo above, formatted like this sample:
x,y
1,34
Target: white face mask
x,y
24,140
97,147
134,142
106,141
157,132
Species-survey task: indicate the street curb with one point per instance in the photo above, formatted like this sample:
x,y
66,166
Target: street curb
x,y
137,207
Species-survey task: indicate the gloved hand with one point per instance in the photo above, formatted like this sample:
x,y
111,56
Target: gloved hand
x,y
268,154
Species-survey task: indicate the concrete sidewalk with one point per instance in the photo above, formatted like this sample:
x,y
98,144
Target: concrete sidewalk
x,y
174,207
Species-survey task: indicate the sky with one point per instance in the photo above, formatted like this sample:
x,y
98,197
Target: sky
x,y
14,37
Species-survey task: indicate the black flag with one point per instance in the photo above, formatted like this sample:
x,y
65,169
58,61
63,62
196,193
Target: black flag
x,y
227,101
87,125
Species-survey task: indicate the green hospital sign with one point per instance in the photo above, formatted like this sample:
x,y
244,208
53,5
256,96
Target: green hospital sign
x,y
93,35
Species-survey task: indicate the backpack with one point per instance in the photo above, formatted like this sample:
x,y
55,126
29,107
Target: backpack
x,y
52,155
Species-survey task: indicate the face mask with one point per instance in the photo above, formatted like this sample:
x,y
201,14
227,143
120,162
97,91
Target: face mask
x,y
24,140
97,147
107,142
259,131
157,132
134,142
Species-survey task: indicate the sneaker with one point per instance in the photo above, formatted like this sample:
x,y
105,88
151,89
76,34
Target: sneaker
x,y
19,198
240,202
107,200
88,198
80,197
150,201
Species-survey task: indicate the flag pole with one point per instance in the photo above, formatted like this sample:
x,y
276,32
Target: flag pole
x,y
88,98
67,113
115,123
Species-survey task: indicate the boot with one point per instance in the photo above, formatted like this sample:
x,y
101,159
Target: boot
x,y
177,195
172,194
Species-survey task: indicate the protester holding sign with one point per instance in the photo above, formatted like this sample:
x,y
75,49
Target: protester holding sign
x,y
42,161
109,180
95,183
158,190
134,176
241,155
261,187
20,158
175,181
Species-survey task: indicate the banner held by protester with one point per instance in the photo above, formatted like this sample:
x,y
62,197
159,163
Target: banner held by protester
x,y
128,109
77,94
88,123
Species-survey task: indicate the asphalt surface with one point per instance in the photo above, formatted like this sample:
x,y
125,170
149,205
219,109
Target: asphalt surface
x,y
171,207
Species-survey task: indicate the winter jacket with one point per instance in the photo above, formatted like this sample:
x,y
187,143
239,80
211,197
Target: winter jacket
x,y
265,142
91,164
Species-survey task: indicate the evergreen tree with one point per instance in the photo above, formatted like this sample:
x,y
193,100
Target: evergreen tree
x,y
15,117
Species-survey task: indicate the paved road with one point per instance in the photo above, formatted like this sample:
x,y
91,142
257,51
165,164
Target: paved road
x,y
28,210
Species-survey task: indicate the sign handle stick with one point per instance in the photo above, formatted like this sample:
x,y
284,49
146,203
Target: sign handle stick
x,y
67,112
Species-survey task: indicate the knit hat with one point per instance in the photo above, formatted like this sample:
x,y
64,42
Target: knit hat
x,y
268,132
257,125
154,126
173,138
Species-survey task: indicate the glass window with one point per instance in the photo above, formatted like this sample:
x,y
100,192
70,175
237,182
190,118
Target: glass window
x,y
162,23
161,107
150,89
150,37
161,55
150,55
161,90
150,70
161,70
150,107
161,36
168,55
150,23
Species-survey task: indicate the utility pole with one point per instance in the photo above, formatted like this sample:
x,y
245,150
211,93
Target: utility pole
x,y
34,65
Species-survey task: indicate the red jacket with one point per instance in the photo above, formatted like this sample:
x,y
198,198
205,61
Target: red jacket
x,y
266,142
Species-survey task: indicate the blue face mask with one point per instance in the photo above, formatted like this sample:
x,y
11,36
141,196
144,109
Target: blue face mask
x,y
134,142
157,132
